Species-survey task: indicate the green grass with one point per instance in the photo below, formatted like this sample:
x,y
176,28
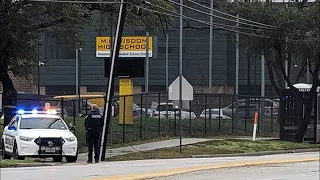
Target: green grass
x,y
13,163
214,148
152,129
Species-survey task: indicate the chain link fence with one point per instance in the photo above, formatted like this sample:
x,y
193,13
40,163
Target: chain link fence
x,y
154,116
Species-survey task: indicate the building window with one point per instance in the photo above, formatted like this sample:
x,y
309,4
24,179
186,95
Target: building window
x,y
58,46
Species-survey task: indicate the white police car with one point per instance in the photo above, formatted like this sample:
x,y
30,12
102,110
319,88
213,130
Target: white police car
x,y
39,134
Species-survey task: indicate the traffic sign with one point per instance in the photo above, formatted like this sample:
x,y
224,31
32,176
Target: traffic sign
x,y
187,90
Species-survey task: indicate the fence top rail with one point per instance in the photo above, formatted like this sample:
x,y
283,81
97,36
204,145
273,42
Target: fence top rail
x,y
235,95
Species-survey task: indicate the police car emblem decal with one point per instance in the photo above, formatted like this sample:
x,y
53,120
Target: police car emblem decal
x,y
50,143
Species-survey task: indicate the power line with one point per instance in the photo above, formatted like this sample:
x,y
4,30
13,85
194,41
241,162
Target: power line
x,y
207,23
219,17
226,14
79,2
200,21
217,24
167,14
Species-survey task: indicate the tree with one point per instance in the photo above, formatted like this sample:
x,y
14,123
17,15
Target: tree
x,y
295,36
23,21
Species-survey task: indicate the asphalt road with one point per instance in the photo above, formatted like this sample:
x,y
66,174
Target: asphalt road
x,y
291,171
127,168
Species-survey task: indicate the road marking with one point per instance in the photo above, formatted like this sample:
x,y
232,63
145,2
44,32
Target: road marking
x,y
176,171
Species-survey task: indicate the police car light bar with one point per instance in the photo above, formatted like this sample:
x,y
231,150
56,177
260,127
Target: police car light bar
x,y
35,111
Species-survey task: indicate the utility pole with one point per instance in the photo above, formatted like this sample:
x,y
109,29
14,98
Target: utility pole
x,y
237,58
263,91
146,80
38,65
78,57
167,61
286,60
77,80
210,64
112,76
180,74
147,64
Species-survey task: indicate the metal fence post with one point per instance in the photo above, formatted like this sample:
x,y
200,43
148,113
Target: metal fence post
x,y
145,117
158,118
232,118
124,119
246,114
236,113
86,106
141,99
219,113
111,120
74,117
190,126
205,114
175,121
271,128
62,109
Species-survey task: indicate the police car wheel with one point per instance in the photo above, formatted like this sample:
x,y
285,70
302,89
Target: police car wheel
x,y
57,159
3,152
72,158
16,153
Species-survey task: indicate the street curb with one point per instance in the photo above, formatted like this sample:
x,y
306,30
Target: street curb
x,y
263,153
177,171
29,165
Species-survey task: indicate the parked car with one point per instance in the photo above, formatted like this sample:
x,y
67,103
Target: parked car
x,y
164,108
214,114
135,107
240,111
254,106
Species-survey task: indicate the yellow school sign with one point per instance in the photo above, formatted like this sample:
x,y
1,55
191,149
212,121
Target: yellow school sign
x,y
126,101
131,46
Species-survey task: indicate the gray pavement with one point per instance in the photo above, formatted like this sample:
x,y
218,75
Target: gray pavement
x,y
291,171
107,169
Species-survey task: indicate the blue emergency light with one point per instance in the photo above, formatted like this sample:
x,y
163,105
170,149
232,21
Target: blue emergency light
x,y
35,111
21,111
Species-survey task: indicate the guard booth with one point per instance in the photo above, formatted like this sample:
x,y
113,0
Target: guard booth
x,y
292,113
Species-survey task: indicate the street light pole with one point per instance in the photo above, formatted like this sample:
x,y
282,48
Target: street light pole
x,y
38,79
210,63
147,64
180,74
77,79
167,61
237,59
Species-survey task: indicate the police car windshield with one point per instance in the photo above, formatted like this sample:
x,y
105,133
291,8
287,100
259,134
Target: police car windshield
x,y
42,123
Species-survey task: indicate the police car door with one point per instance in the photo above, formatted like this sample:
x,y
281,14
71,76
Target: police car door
x,y
10,133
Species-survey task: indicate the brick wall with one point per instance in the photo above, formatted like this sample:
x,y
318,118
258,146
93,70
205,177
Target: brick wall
x,y
23,84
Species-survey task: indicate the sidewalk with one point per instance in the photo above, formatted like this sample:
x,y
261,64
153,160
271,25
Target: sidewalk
x,y
147,147
155,145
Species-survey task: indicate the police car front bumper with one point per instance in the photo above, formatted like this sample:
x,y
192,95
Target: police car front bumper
x,y
31,148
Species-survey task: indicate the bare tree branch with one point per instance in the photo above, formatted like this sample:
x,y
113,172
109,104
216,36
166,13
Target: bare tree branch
x,y
9,7
271,76
48,24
